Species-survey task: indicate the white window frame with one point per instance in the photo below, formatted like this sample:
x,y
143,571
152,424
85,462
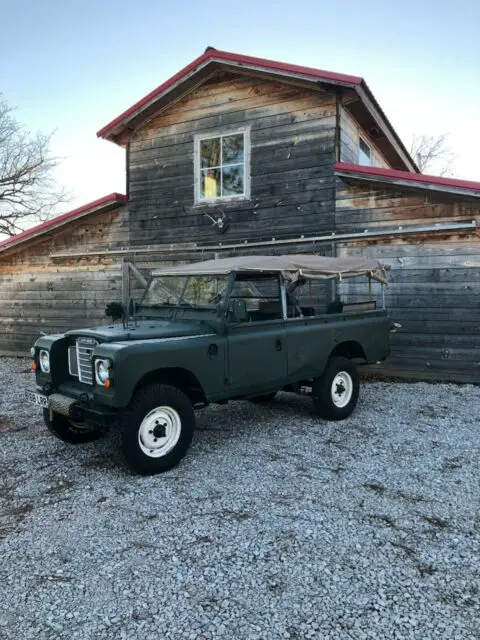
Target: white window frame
x,y
222,133
370,157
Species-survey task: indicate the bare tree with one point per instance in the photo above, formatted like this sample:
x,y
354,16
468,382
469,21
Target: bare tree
x,y
433,154
28,192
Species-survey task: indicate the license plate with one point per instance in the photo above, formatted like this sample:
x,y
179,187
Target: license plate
x,y
37,398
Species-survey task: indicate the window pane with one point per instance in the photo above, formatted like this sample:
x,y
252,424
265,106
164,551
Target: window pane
x,y
210,184
232,180
210,152
233,149
364,153
164,291
205,290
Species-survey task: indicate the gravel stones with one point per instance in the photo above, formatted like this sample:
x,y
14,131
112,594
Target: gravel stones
x,y
275,525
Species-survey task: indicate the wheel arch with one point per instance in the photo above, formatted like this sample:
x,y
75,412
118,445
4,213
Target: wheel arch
x,y
349,349
178,377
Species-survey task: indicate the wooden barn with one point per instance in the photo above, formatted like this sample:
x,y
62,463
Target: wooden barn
x,y
241,155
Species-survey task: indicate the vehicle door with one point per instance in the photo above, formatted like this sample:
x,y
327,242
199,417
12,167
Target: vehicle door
x,y
256,349
310,330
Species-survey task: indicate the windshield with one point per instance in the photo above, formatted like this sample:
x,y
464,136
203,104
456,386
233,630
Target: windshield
x,y
185,291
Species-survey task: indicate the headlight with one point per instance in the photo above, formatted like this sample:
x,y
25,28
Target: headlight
x,y
44,361
102,372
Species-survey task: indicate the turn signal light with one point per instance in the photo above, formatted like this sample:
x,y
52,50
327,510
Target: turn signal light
x,y
107,384
34,366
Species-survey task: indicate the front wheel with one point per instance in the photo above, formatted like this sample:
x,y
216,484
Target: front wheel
x,y
157,429
335,392
68,431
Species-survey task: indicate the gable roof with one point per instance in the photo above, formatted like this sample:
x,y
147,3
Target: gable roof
x,y
409,179
112,201
202,67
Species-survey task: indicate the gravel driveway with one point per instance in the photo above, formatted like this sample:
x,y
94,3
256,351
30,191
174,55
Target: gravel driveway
x,y
276,525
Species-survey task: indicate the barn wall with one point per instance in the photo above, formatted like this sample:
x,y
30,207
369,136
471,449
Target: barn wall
x,y
292,157
44,294
434,289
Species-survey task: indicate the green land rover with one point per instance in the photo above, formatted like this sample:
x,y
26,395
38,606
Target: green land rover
x,y
227,329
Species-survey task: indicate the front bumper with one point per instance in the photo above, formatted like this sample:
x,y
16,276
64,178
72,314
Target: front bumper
x,y
74,409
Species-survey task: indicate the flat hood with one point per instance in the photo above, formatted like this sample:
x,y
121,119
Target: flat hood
x,y
142,330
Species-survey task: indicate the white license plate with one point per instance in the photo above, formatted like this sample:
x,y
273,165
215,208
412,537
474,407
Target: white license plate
x,y
37,398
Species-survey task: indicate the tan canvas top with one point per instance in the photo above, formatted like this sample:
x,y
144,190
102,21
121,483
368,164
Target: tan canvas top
x,y
308,266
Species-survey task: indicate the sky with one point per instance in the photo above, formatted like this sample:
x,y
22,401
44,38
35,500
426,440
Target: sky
x,y
71,66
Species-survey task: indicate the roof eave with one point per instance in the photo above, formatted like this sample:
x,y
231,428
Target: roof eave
x,y
113,200
412,181
121,122
113,129
371,104
144,108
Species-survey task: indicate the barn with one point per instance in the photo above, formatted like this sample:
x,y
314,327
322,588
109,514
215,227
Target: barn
x,y
236,155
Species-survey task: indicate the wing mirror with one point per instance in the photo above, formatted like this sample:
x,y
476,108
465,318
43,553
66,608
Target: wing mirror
x,y
239,310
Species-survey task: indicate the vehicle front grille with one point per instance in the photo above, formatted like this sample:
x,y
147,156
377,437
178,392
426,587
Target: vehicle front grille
x,y
80,359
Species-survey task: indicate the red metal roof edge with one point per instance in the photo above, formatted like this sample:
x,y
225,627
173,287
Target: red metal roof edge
x,y
227,56
112,198
419,178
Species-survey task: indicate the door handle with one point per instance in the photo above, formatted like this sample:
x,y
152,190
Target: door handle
x,y
278,344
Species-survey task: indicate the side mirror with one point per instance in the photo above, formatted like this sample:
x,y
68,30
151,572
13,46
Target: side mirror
x,y
239,310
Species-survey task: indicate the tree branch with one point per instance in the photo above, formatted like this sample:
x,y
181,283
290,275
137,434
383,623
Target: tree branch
x,y
28,191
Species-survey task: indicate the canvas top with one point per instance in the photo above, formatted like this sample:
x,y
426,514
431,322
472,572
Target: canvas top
x,y
307,266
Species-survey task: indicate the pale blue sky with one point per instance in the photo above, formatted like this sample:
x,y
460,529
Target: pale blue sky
x,y
73,65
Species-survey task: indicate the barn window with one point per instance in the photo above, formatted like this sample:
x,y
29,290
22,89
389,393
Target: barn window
x,y
364,153
221,166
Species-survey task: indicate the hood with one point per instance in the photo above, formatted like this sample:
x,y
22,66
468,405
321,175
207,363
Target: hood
x,y
142,330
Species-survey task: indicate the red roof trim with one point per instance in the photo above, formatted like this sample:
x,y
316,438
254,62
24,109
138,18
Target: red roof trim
x,y
395,174
112,198
226,56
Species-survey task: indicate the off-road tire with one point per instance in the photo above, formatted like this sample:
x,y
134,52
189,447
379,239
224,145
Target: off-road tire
x,y
65,430
144,403
344,371
265,398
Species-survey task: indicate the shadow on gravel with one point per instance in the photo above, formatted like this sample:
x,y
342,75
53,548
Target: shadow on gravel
x,y
7,425
240,421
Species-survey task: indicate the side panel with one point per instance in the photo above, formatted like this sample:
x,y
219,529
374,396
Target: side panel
x,y
310,341
204,357
257,356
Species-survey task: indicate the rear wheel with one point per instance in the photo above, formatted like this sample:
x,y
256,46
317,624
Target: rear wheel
x,y
264,398
68,431
157,429
335,392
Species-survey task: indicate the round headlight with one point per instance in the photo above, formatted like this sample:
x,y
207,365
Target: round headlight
x,y
102,371
44,361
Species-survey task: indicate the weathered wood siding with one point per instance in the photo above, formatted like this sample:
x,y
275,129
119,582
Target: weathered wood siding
x,y
350,132
292,156
434,289
44,294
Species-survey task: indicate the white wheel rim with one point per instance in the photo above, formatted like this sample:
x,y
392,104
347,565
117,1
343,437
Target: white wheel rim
x,y
342,389
159,432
